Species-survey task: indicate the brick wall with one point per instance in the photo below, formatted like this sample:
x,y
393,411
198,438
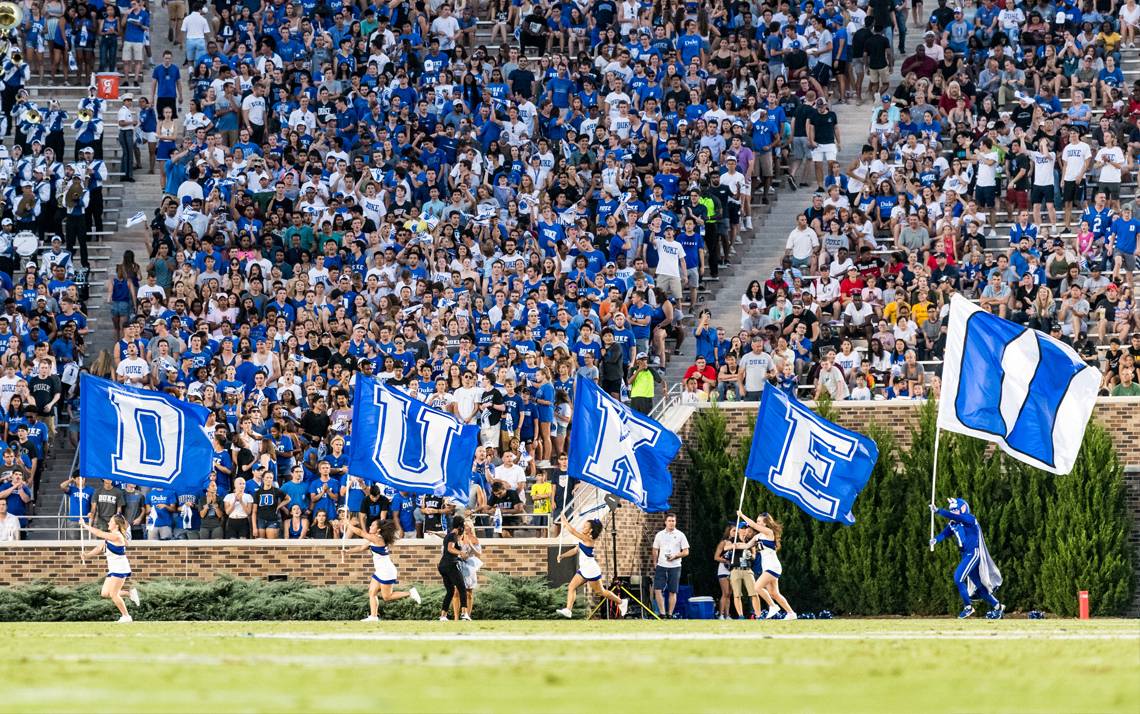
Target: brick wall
x,y
318,563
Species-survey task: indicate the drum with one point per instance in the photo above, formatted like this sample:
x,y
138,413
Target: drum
x,y
25,244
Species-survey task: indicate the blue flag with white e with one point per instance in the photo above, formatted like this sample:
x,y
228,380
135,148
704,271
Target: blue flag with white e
x,y
619,450
818,465
1003,382
404,443
138,436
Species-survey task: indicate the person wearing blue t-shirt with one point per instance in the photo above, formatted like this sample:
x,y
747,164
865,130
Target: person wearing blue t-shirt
x,y
1123,238
79,499
161,505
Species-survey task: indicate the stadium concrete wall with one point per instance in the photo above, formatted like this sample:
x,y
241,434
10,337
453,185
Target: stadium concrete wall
x,y
321,563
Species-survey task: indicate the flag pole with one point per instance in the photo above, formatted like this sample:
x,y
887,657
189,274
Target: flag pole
x,y
934,482
739,508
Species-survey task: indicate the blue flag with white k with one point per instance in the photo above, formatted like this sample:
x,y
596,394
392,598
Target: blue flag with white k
x,y
818,465
619,450
1003,382
404,443
142,437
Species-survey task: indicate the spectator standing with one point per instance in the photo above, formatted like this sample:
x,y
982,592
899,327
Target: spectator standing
x,y
756,365
127,121
9,524
108,503
670,546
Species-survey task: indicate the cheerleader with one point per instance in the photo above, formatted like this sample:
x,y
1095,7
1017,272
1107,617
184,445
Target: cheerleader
x,y
114,545
768,532
723,561
588,569
380,536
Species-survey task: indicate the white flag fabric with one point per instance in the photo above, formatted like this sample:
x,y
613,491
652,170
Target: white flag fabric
x,y
136,219
1029,393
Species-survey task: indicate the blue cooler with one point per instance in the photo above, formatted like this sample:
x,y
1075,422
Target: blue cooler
x,y
701,608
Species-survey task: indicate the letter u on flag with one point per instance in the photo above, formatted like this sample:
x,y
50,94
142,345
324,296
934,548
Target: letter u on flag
x,y
142,437
408,445
620,451
1022,389
799,455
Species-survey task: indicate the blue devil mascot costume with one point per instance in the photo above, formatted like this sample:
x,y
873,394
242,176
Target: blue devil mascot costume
x,y
977,575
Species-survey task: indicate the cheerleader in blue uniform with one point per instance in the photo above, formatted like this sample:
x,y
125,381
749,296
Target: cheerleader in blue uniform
x,y
380,536
588,569
976,575
114,545
767,538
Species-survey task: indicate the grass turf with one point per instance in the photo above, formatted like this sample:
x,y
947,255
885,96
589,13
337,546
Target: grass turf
x,y
633,666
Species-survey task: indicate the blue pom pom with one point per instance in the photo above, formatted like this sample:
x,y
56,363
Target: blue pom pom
x,y
824,615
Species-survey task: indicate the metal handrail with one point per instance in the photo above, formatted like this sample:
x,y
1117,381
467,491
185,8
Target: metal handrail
x,y
668,399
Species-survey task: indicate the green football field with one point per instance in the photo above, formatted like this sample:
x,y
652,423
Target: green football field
x,y
632,666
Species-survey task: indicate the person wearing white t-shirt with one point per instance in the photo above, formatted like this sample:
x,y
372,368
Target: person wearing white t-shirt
x,y
9,524
985,189
1041,193
672,273
1111,161
756,365
133,370
669,546
195,28
1076,160
466,402
803,245
253,113
446,28
511,474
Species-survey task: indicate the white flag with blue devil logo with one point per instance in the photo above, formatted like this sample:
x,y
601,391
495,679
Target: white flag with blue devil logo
x,y
138,436
620,451
799,455
404,443
1022,389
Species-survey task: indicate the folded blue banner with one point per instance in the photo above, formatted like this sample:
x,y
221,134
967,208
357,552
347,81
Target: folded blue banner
x,y
406,444
619,450
142,437
797,454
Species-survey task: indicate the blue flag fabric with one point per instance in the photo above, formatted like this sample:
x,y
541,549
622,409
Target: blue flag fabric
x,y
619,450
1002,382
138,436
797,454
404,443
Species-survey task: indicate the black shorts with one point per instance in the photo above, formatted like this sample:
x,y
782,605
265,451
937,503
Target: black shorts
x,y
667,579
1072,191
611,387
985,196
733,212
1040,195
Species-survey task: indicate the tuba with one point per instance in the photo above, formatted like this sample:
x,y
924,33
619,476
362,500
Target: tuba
x,y
11,15
25,206
33,116
85,115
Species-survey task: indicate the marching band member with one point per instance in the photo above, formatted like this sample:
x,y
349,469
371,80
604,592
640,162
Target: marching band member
x,y
26,209
54,120
30,127
41,188
15,74
88,133
114,546
976,574
93,103
57,255
96,175
7,250
381,536
75,199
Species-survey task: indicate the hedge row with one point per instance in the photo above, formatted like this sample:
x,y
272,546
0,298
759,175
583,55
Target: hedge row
x,y
500,597
1050,535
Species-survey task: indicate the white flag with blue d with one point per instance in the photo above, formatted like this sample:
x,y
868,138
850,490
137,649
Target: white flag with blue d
x,y
142,437
1002,382
619,450
818,465
408,445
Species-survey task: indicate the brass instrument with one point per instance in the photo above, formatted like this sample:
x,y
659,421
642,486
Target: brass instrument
x,y
25,206
85,114
11,15
74,193
33,116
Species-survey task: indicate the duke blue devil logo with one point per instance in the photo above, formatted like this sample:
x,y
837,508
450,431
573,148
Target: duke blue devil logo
x,y
801,456
142,437
620,451
407,445
1005,383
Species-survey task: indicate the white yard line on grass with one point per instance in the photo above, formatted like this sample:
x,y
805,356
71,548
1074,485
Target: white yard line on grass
x,y
693,636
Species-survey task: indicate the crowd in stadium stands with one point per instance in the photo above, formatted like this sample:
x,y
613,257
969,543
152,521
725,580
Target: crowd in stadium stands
x,y
366,189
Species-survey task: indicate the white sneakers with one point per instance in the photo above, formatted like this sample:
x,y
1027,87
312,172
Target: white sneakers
x,y
465,617
791,616
443,618
415,596
133,594
565,612
126,618
370,618
623,607
772,612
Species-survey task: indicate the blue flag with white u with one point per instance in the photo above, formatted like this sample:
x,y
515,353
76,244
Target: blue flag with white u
x,y
142,437
404,443
799,455
1003,382
619,450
